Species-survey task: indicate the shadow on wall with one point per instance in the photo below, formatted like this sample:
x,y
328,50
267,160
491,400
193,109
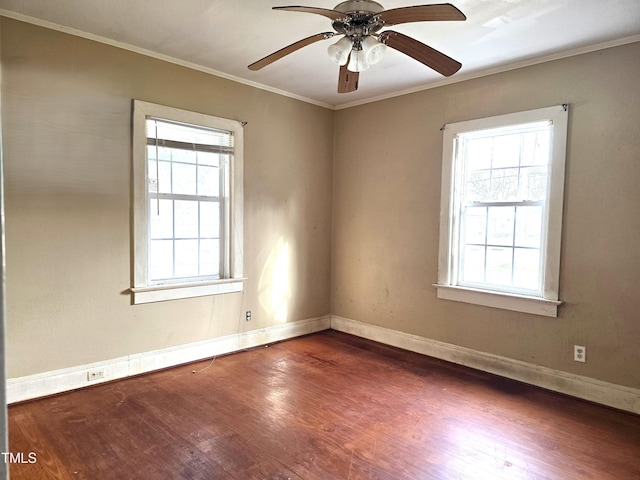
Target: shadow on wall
x,y
274,289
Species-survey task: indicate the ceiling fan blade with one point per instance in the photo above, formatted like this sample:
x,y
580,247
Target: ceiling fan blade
x,y
347,80
431,57
332,14
263,62
421,13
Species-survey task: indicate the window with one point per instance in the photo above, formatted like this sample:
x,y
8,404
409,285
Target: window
x,y
187,204
501,210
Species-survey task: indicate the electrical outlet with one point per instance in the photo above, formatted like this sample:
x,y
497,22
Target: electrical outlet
x,y
247,315
579,353
97,374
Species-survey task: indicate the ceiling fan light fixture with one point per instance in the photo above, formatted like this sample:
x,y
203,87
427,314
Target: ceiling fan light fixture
x,y
373,50
358,61
339,51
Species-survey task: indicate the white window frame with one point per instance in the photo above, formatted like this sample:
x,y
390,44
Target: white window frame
x,y
547,302
145,291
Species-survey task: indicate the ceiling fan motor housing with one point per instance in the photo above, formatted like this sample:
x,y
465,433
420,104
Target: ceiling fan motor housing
x,y
360,18
359,6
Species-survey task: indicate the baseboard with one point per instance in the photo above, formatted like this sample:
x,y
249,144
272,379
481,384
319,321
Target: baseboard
x,y
598,391
58,381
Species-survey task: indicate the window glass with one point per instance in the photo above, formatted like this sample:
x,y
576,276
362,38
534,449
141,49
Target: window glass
x,y
501,207
185,201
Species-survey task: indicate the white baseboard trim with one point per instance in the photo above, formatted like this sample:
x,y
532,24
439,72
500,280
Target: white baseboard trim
x,y
598,391
58,381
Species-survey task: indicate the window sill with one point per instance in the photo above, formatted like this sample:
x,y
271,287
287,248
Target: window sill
x,y
161,293
506,301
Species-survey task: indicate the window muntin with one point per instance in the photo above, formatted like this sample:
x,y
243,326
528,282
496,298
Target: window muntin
x,y
188,204
501,210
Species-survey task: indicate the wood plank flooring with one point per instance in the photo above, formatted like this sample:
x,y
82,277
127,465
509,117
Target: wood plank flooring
x,y
326,406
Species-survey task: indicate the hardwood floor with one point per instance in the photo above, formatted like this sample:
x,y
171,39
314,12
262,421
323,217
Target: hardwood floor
x,y
326,406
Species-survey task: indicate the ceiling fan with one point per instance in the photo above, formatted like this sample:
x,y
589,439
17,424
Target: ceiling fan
x,y
362,45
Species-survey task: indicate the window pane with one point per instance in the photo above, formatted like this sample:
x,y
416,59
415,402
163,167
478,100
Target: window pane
x,y
186,222
152,176
184,179
528,227
500,226
159,176
504,184
478,186
208,158
184,156
209,220
163,153
210,257
186,258
161,217
499,266
475,225
533,183
208,181
506,151
493,172
535,148
161,259
479,153
473,264
526,268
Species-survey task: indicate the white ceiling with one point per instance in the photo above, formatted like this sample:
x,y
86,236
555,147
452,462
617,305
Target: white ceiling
x,y
224,36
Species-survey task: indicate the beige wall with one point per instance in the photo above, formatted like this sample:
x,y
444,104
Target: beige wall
x,y
66,107
387,201
66,104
